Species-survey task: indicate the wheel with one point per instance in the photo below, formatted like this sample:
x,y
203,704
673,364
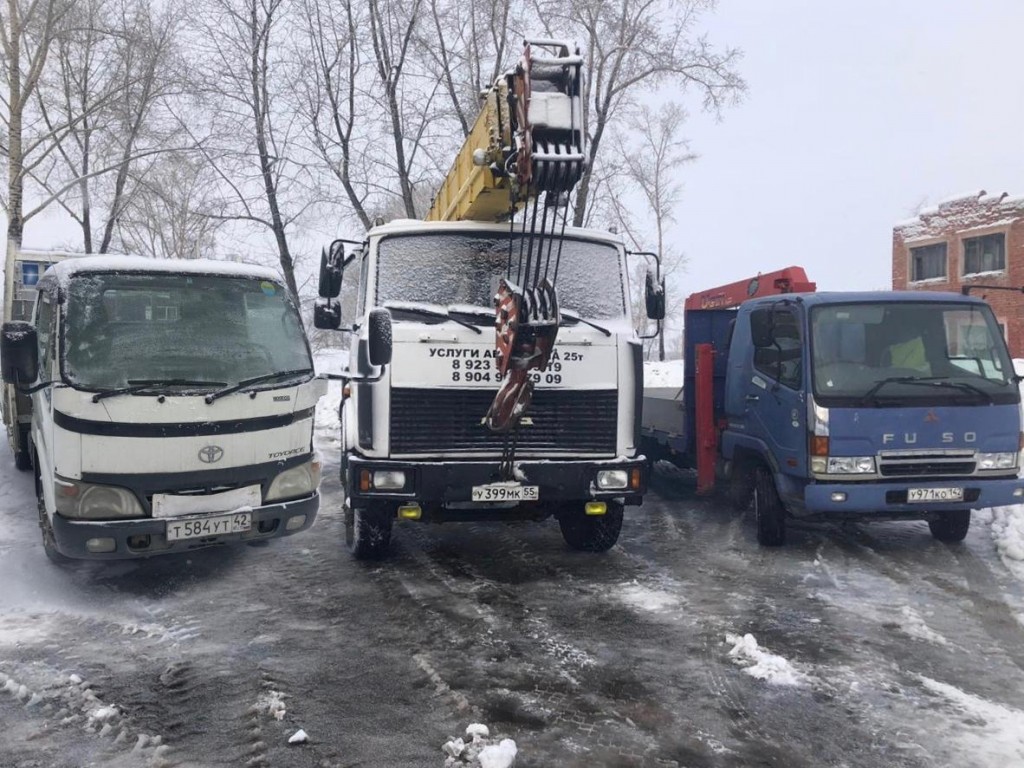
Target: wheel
x,y
367,533
23,456
951,526
49,542
741,486
769,513
597,533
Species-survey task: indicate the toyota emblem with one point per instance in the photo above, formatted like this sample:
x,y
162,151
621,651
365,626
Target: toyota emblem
x,y
211,454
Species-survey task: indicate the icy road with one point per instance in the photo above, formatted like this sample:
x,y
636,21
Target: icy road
x,y
686,645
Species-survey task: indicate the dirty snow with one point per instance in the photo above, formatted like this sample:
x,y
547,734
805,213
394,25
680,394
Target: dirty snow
x,y
478,750
761,664
637,595
914,625
272,703
992,734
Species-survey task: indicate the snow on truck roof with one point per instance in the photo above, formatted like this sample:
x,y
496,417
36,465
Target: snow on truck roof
x,y
135,264
413,226
822,298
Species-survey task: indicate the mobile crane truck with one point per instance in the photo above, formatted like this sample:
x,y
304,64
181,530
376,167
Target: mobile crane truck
x,y
538,418
846,406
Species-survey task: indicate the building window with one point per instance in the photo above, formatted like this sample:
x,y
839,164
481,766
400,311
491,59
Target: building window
x,y
928,262
984,254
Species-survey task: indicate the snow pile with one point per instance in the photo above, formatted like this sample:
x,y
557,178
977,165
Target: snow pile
x,y
636,595
993,733
761,664
664,374
299,737
915,626
480,750
271,703
1007,525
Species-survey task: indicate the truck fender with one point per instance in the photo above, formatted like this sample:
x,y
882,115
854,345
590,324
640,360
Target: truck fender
x,y
737,447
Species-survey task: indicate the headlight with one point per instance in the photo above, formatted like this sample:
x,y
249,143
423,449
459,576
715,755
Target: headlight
x,y
997,460
95,502
295,482
851,465
388,480
612,479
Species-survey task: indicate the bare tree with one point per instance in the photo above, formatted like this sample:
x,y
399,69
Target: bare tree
x,y
112,71
630,48
168,214
27,30
244,82
650,163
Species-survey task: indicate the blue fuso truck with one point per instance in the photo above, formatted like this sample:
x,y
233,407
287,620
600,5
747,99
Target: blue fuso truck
x,y
869,406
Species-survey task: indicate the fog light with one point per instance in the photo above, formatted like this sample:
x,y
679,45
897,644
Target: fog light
x,y
294,523
612,479
410,512
595,508
838,496
1018,492
100,545
388,480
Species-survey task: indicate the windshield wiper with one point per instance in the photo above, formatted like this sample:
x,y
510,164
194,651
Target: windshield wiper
x,y
427,311
927,381
141,385
573,317
255,380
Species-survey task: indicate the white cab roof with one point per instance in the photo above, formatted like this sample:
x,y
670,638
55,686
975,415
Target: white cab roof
x,y
135,264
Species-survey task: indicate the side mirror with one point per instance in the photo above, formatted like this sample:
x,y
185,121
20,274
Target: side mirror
x,y
655,297
379,333
19,352
762,329
331,267
327,314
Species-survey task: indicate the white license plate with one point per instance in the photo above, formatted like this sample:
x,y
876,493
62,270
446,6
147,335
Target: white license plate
x,y
919,495
201,527
506,492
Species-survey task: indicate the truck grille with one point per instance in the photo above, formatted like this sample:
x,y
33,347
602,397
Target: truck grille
x,y
926,463
428,421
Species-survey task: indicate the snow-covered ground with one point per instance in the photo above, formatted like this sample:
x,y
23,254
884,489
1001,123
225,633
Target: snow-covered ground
x,y
687,644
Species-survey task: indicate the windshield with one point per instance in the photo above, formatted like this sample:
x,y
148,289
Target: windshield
x,y
889,352
123,328
454,268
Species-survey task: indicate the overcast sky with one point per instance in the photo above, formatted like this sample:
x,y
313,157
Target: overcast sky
x,y
856,112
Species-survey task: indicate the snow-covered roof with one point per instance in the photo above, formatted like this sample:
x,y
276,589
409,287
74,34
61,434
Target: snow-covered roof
x,y
409,226
961,212
135,264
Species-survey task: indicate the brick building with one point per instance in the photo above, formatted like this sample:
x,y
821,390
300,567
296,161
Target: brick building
x,y
974,239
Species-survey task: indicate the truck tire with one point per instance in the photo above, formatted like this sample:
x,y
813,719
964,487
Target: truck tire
x,y
951,526
367,533
587,533
23,456
741,486
769,514
49,542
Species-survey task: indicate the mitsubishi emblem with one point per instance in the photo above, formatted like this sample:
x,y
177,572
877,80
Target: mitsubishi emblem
x,y
211,454
930,417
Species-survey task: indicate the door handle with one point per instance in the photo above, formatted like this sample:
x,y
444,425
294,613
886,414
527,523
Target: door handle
x,y
752,398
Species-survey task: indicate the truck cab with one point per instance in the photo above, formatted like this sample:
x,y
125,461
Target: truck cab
x,y
171,406
899,405
415,445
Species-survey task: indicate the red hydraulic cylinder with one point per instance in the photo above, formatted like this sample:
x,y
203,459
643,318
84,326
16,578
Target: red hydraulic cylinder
x,y
707,433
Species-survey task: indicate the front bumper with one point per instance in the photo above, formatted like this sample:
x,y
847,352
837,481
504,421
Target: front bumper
x,y
881,500
436,484
268,522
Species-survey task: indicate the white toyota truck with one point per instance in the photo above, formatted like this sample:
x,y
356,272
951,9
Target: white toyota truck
x,y
172,406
